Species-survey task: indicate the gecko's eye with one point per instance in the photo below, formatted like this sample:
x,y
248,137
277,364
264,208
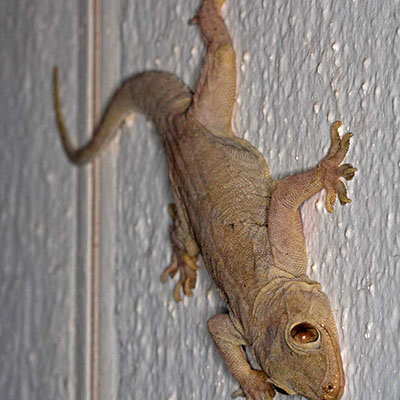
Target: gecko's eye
x,y
305,335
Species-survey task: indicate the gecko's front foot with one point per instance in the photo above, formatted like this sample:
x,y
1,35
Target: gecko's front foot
x,y
333,170
255,387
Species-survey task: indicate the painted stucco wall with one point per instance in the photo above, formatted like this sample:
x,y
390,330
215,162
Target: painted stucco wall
x,y
43,234
302,65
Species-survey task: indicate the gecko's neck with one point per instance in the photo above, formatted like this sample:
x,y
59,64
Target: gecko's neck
x,y
263,297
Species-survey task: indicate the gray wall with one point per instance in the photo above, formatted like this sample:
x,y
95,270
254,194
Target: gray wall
x,y
302,65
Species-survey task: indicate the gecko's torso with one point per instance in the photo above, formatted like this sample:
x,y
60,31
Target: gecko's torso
x,y
227,182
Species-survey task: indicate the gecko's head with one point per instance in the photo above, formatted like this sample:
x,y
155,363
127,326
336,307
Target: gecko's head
x,y
299,349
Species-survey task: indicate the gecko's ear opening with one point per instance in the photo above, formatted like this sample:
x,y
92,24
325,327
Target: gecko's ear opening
x,y
303,336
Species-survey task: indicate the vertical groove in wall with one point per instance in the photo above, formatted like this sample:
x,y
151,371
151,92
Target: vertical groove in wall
x,y
81,324
109,79
95,265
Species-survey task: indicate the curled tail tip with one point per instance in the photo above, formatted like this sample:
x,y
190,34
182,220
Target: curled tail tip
x,y
70,151
56,71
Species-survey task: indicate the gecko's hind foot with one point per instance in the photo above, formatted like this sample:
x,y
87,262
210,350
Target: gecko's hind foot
x,y
210,7
184,256
187,268
334,170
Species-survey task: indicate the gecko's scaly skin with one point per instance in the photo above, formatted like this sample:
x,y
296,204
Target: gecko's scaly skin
x,y
246,226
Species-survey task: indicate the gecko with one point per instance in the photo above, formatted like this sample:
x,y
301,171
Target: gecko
x,y
245,225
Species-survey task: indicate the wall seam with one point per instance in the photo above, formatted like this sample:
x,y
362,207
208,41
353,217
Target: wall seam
x,y
95,262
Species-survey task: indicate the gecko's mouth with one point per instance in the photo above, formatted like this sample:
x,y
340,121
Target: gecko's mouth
x,y
280,390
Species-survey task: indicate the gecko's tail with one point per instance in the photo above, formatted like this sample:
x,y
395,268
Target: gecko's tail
x,y
156,94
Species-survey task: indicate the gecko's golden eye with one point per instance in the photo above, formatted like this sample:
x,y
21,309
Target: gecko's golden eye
x,y
305,334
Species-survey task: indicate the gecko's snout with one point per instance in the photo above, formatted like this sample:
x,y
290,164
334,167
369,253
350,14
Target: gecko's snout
x,y
333,390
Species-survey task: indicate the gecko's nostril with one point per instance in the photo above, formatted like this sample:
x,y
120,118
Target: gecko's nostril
x,y
329,388
332,391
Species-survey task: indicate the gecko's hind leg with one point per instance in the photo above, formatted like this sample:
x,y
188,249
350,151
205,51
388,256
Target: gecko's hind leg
x,y
214,98
184,256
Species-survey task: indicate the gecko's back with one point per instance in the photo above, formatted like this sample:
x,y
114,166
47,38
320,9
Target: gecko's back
x,y
224,186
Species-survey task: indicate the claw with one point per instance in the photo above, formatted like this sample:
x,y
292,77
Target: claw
x,y
344,146
193,21
167,271
335,139
342,193
186,288
238,393
346,138
330,199
339,147
347,171
190,262
335,130
177,291
172,211
171,270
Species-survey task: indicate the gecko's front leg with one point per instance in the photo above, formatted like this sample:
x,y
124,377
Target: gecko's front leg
x,y
284,224
229,340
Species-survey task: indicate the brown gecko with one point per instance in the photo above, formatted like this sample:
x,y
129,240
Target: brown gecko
x,y
245,225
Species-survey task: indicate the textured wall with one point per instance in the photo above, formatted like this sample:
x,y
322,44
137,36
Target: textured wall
x,y
302,65
39,292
